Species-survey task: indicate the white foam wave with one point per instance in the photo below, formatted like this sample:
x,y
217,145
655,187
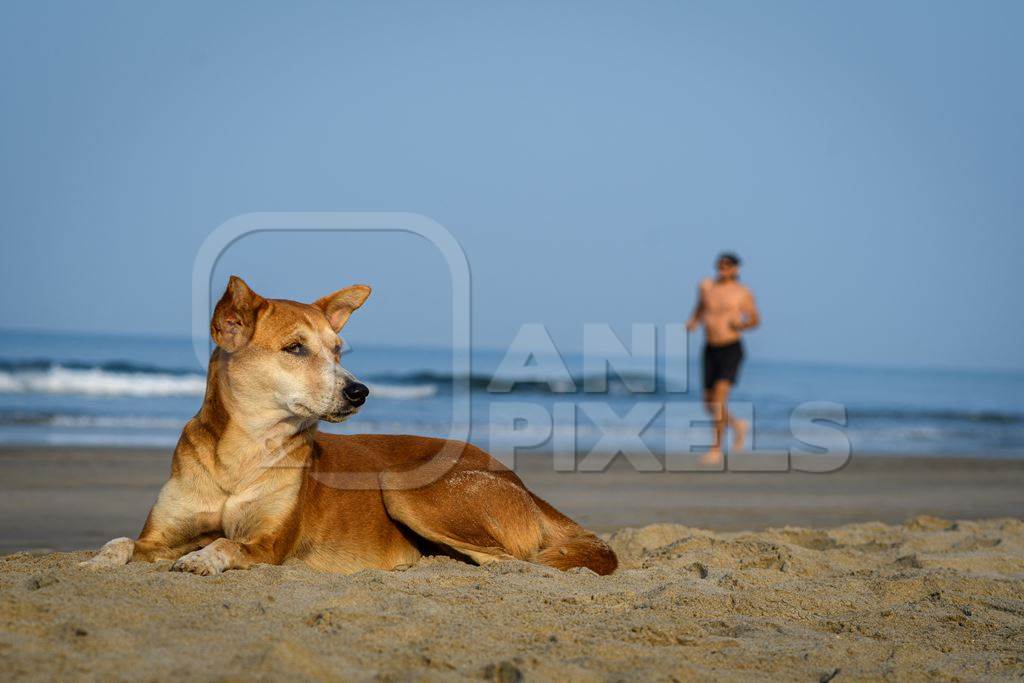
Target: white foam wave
x,y
116,422
96,382
402,392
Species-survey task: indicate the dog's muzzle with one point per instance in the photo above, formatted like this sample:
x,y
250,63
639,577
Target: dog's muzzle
x,y
353,396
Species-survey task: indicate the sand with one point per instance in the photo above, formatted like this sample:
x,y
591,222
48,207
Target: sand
x,y
927,599
930,599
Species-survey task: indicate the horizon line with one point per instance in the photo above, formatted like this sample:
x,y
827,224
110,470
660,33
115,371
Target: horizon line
x,y
852,365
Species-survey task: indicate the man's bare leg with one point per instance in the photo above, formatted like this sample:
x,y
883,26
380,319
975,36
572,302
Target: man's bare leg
x,y
721,390
739,430
716,409
716,401
739,427
739,434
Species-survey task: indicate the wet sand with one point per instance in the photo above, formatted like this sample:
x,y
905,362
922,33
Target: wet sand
x,y
78,498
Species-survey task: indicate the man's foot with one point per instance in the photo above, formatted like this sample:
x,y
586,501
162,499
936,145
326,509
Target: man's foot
x,y
739,434
712,457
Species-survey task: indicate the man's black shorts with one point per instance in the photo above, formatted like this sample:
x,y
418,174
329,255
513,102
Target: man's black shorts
x,y
722,362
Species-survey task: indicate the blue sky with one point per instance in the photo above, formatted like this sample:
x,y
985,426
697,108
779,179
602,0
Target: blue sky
x,y
866,159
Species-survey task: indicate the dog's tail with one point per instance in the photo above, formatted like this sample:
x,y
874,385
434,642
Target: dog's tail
x,y
567,544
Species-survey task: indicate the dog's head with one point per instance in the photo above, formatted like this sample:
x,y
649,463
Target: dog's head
x,y
283,358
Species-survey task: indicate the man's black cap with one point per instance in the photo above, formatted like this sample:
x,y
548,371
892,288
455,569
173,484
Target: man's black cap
x,y
728,256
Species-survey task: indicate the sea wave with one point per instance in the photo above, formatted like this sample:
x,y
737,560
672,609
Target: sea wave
x,y
993,417
399,392
128,379
528,384
90,421
115,366
125,378
120,378
59,379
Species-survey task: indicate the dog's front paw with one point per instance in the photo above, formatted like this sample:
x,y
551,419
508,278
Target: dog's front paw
x,y
115,553
200,562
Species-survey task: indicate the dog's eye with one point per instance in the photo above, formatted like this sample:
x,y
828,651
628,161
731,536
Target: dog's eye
x,y
337,350
295,349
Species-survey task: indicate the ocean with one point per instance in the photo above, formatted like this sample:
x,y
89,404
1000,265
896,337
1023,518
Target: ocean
x,y
73,389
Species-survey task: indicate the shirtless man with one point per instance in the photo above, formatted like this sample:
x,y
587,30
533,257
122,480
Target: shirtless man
x,y
726,308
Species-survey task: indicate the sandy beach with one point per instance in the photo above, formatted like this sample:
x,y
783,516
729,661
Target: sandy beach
x,y
885,569
620,248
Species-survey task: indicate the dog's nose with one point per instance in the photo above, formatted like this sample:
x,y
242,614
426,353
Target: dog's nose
x,y
356,393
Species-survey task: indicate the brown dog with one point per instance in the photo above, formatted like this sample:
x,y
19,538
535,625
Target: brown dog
x,y
252,481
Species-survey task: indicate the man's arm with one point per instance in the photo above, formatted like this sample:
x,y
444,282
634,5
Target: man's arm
x,y
751,316
698,309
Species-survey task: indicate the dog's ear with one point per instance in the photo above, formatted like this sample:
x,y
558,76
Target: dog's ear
x,y
339,306
234,318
